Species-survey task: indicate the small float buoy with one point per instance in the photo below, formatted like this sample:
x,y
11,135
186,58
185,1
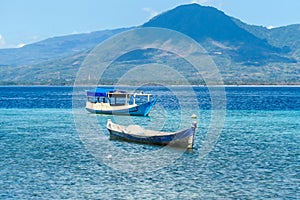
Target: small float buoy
x,y
194,116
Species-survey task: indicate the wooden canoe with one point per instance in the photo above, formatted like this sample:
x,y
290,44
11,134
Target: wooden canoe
x,y
135,133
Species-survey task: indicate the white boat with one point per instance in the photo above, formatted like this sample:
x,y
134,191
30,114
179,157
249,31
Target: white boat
x,y
116,102
135,133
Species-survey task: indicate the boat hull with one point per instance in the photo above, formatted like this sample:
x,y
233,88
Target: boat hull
x,y
138,110
181,139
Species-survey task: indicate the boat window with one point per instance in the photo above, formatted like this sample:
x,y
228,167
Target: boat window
x,y
92,99
104,100
119,100
98,99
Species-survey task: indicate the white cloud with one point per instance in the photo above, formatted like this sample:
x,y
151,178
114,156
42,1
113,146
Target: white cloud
x,y
75,32
2,41
152,12
21,45
4,44
201,1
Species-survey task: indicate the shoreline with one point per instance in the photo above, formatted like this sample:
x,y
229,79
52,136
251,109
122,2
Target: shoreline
x,y
251,85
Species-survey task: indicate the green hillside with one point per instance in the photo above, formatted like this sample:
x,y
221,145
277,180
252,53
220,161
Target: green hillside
x,y
244,54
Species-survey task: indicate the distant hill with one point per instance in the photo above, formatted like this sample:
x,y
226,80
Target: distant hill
x,y
53,48
244,54
287,37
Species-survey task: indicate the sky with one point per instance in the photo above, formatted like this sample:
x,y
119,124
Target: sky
x,y
27,21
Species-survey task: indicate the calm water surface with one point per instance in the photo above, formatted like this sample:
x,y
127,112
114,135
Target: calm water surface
x,y
256,156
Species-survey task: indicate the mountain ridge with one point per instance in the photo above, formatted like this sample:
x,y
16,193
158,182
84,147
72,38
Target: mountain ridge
x,y
255,54
203,22
55,47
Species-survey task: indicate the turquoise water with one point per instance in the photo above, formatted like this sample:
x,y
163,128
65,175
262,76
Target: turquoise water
x,y
256,156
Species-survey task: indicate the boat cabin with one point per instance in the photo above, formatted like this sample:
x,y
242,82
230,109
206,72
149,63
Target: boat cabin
x,y
114,97
110,101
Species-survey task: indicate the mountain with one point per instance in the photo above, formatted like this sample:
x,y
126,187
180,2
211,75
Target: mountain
x,y
284,37
244,54
207,23
54,48
201,22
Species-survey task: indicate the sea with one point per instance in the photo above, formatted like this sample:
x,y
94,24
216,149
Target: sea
x,y
246,146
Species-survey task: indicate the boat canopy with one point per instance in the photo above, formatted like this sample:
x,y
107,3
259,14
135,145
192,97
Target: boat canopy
x,y
109,92
99,92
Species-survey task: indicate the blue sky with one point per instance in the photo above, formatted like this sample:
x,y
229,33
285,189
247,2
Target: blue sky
x,y
27,21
